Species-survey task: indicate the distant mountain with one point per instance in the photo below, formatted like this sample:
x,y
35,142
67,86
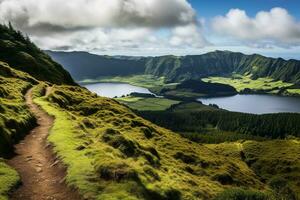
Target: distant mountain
x,y
20,53
179,68
85,65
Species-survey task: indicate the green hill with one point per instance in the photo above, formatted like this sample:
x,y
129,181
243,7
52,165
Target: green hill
x,y
179,68
83,65
21,54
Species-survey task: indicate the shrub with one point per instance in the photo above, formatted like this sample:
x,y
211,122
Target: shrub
x,y
224,179
282,189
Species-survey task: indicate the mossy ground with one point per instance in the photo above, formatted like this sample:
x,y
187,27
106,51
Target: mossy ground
x,y
113,154
9,179
276,162
139,103
15,120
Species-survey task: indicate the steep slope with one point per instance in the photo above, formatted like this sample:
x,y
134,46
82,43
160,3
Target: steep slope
x,y
179,68
22,65
15,118
83,65
223,63
277,162
113,154
20,53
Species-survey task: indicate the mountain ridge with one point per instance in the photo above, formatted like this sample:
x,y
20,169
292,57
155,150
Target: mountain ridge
x,y
180,68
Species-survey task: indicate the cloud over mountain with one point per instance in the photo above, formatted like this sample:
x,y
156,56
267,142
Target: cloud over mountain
x,y
273,28
103,24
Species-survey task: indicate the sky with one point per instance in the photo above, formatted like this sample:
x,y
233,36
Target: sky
x,y
159,27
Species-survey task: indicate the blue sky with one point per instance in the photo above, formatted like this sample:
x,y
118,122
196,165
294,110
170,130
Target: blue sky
x,y
159,27
211,8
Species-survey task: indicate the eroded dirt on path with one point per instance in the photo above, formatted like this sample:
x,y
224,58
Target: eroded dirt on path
x,y
41,173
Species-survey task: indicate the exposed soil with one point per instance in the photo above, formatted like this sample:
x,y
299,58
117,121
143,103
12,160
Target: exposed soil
x,y
41,173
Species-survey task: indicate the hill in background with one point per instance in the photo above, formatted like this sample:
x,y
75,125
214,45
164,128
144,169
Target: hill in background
x,y
179,68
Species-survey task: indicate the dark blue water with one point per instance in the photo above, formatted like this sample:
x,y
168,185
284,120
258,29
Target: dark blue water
x,y
115,89
257,104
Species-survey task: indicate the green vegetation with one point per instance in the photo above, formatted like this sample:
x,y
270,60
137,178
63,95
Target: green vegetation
x,y
186,118
15,118
276,162
8,179
20,53
147,81
261,85
293,92
139,103
240,194
191,89
180,68
113,154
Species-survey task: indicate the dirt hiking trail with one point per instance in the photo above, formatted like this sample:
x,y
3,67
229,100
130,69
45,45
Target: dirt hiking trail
x,y
41,173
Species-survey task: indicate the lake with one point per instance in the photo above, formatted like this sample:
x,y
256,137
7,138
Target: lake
x,y
115,89
257,104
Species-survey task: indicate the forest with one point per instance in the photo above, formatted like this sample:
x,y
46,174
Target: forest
x,y
273,126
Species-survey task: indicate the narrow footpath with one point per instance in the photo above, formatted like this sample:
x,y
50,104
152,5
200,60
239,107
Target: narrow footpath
x,y
41,173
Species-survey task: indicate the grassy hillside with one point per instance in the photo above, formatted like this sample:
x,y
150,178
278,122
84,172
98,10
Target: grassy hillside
x,y
113,154
276,162
15,118
20,53
22,64
8,179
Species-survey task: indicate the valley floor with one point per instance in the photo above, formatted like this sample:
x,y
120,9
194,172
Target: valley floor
x,y
262,85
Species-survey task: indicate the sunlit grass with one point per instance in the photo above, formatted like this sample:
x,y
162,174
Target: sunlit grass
x,y
240,83
15,120
9,179
113,154
142,104
271,160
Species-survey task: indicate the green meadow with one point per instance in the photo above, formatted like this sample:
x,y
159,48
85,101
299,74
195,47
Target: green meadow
x,y
147,81
241,83
139,103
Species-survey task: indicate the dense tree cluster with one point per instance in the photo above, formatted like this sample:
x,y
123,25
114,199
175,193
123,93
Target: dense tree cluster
x,y
268,125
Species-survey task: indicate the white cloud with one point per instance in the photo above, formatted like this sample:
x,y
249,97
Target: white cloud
x,y
105,25
95,13
274,28
188,35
